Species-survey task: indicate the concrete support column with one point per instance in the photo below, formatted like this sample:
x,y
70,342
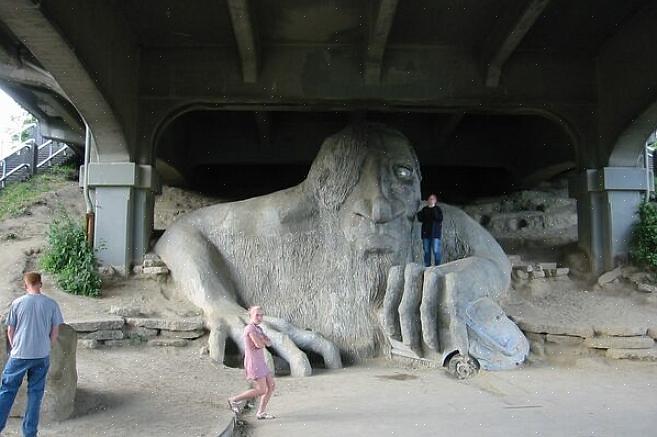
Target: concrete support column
x,y
124,204
607,203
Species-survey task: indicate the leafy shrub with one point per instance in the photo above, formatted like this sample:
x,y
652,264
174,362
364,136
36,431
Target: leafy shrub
x,y
70,258
644,243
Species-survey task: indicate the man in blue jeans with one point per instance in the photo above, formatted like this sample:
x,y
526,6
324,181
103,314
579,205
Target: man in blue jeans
x,y
431,217
32,328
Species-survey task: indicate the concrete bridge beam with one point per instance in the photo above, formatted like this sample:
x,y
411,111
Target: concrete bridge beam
x,y
607,202
28,23
124,205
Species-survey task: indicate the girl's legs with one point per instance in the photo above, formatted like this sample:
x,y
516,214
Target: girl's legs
x,y
264,400
259,389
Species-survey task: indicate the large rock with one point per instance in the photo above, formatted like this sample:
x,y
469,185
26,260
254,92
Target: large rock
x,y
61,386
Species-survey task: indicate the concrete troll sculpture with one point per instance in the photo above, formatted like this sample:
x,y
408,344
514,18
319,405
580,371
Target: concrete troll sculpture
x,y
331,260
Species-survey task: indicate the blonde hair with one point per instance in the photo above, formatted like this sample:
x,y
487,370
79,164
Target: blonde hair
x,y
32,278
253,308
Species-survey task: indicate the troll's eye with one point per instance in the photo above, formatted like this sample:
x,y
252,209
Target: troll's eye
x,y
404,173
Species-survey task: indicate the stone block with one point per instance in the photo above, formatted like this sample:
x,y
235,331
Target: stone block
x,y
138,270
548,266
62,380
626,330
561,271
168,342
182,334
646,288
88,343
151,256
609,342
566,340
546,328
153,263
139,332
168,324
161,270
638,277
97,324
536,343
652,332
126,310
515,260
632,354
609,276
104,334
563,351
520,274
107,272
124,342
538,274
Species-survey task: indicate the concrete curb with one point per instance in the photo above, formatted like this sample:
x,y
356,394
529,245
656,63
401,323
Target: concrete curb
x,y
228,429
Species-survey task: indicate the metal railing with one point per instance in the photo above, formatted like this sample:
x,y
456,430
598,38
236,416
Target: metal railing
x,y
4,178
3,163
51,155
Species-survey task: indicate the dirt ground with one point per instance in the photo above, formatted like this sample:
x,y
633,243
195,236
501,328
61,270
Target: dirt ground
x,y
578,307
131,391
147,391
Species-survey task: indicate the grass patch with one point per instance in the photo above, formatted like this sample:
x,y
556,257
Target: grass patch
x,y
17,197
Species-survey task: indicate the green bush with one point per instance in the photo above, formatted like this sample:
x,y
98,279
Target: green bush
x,y
71,259
644,243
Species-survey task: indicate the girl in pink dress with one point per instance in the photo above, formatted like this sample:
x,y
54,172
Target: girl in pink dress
x,y
255,367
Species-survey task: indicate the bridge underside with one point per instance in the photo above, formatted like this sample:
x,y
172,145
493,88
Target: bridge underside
x,y
512,91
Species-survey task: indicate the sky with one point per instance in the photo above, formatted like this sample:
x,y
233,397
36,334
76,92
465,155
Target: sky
x,y
11,116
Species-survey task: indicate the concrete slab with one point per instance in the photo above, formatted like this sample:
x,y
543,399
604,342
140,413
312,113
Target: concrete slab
x,y
592,398
626,330
632,354
608,342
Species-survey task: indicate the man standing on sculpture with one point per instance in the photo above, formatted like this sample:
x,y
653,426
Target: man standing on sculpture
x,y
32,328
431,217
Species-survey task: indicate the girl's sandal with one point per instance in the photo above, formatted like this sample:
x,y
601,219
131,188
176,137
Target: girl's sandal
x,y
234,406
265,416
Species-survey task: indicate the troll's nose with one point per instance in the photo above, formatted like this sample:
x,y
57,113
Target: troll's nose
x,y
373,203
381,210
377,209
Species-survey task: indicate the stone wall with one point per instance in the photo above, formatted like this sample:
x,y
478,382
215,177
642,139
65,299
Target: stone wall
x,y
116,331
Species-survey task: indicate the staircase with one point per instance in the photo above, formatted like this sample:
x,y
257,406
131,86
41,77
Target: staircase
x,y
35,153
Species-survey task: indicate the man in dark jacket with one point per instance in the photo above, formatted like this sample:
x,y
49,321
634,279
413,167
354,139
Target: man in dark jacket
x,y
431,217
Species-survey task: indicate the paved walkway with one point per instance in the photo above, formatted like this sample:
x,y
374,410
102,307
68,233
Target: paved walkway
x,y
594,398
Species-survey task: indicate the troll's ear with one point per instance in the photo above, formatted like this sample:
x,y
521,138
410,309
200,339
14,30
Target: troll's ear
x,y
336,169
